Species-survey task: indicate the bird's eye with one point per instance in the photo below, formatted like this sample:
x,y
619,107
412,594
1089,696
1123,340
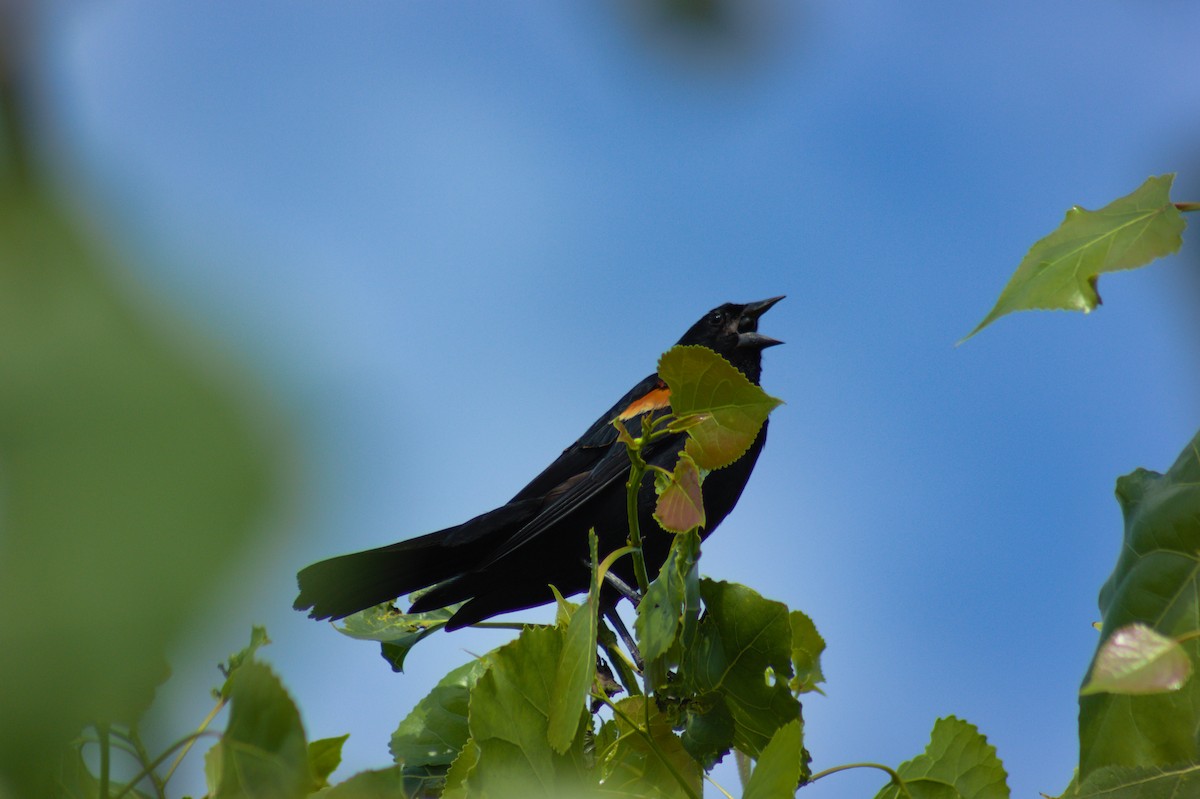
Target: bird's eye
x,y
716,318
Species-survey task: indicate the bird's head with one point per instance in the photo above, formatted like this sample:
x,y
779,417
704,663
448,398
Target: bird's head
x,y
731,330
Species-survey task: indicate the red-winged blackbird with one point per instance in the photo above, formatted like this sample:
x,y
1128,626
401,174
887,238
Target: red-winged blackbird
x,y
507,558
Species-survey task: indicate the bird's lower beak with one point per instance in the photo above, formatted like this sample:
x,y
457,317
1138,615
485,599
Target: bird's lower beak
x,y
748,324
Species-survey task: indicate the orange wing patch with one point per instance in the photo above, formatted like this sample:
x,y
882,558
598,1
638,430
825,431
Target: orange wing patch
x,y
654,400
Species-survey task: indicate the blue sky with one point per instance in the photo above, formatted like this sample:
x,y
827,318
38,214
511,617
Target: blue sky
x,y
506,206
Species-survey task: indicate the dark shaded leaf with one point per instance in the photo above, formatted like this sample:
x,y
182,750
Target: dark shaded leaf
x,y
741,659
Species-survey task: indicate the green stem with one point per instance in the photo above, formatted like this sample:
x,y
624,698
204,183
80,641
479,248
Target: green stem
x,y
143,758
1185,207
897,780
158,761
637,468
105,753
191,740
717,785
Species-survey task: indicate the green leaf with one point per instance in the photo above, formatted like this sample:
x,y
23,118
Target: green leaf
x,y
262,753
958,762
1155,582
509,720
576,668
1060,271
740,662
324,756
777,773
1137,660
436,730
807,646
634,767
379,784
680,504
661,613
1118,782
702,382
397,632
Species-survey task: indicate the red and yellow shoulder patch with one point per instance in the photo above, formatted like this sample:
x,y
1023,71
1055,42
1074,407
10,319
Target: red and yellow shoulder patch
x,y
656,399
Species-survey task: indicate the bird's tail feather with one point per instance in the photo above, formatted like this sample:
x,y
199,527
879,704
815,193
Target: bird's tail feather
x,y
343,585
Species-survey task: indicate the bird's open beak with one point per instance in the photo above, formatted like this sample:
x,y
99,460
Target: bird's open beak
x,y
748,325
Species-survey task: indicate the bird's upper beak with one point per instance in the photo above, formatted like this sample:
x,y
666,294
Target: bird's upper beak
x,y
748,335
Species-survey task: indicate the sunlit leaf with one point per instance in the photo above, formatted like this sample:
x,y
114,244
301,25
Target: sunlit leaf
x,y
396,632
807,646
1155,582
958,762
1137,660
1060,271
635,767
509,719
777,773
702,382
436,729
680,504
576,668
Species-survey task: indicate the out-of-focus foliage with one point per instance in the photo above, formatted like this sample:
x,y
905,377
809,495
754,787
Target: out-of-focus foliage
x,y
130,471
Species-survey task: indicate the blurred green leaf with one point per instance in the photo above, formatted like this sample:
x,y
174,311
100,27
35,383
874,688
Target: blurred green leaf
x,y
510,711
262,754
1060,271
1137,660
958,762
258,639
777,773
396,632
680,504
379,784
740,662
636,768
1155,582
704,383
436,729
324,756
576,669
134,468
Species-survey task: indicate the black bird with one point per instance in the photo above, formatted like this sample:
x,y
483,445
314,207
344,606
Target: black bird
x,y
506,559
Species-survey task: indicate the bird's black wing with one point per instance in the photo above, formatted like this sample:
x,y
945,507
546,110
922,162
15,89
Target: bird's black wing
x,y
648,397
589,449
